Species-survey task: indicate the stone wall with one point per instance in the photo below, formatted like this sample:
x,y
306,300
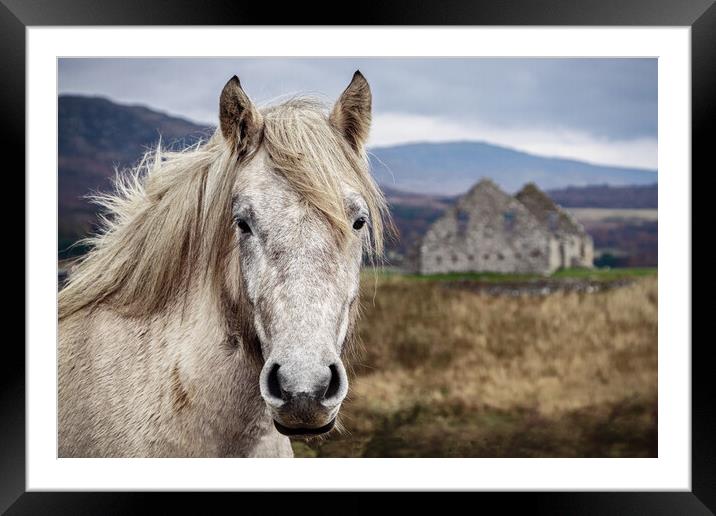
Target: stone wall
x,y
576,248
488,231
575,251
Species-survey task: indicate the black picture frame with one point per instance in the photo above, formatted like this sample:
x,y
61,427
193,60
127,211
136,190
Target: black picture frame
x,y
700,15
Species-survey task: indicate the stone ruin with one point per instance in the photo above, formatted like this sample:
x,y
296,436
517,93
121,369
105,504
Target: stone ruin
x,y
487,230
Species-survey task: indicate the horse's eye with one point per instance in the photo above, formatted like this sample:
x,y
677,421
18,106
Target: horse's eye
x,y
243,226
359,223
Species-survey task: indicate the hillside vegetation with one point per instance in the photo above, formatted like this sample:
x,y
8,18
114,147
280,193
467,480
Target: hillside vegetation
x,y
608,196
449,372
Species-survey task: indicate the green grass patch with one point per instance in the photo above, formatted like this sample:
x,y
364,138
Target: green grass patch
x,y
606,274
488,277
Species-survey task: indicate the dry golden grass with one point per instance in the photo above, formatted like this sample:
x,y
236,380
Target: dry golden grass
x,y
449,372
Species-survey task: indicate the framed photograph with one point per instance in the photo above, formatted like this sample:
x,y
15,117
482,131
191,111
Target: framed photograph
x,y
446,248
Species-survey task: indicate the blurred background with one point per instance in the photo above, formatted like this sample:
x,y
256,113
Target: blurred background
x,y
467,358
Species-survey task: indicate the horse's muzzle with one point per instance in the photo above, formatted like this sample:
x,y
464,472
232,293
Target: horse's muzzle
x,y
304,415
304,398
304,431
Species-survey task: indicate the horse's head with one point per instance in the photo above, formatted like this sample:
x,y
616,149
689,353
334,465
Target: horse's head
x,y
305,211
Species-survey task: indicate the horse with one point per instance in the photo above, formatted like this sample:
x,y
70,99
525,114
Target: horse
x,y
212,315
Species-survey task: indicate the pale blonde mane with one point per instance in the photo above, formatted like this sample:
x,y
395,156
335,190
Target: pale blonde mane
x,y
170,217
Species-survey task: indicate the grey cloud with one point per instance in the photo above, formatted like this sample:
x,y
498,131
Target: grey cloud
x,y
615,99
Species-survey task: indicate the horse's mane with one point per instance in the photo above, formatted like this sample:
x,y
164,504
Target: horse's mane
x,y
169,217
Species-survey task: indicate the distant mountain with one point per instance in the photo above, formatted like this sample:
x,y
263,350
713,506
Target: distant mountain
x,y
96,135
452,168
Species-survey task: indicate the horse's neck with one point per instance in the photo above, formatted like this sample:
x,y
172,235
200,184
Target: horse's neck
x,y
216,370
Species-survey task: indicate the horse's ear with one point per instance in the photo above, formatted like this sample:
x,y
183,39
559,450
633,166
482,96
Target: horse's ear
x,y
351,114
239,120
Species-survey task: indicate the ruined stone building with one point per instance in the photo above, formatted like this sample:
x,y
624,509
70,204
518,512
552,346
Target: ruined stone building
x,y
487,230
576,248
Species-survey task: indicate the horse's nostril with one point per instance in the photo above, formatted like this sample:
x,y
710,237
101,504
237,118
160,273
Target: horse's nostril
x,y
334,384
291,385
274,385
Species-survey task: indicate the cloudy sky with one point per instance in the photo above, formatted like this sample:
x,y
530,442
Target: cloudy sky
x,y
598,110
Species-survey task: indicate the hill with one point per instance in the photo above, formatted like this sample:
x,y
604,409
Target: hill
x,y
452,168
96,135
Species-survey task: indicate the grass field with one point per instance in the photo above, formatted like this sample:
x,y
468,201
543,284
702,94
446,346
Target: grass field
x,y
450,372
596,214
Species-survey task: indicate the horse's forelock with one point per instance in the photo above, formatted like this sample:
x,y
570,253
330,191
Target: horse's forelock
x,y
316,160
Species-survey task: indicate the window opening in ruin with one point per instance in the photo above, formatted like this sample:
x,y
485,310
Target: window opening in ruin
x,y
463,218
553,220
509,220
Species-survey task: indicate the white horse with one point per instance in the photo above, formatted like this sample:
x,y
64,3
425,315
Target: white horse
x,y
210,317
